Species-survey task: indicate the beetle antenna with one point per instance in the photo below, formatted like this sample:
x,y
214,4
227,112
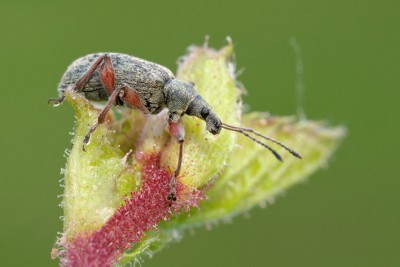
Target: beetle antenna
x,y
242,131
245,132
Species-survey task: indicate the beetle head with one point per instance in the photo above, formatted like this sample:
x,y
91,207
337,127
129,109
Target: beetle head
x,y
212,121
200,108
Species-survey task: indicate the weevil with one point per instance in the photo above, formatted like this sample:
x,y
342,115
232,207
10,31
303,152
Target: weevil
x,y
125,80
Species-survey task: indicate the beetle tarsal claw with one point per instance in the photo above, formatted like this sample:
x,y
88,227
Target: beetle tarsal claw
x,y
86,141
172,192
56,101
171,196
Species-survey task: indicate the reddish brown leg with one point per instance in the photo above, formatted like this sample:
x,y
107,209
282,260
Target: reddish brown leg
x,y
107,74
103,114
106,71
177,131
131,99
107,77
127,95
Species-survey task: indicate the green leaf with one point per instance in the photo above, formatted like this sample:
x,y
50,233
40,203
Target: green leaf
x,y
91,193
253,176
205,154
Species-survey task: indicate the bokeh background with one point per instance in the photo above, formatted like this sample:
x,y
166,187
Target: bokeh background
x,y
346,215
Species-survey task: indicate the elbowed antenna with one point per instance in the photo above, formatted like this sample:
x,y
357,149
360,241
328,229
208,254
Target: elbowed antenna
x,y
245,132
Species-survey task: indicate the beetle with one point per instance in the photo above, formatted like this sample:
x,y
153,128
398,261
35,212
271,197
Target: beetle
x,y
125,80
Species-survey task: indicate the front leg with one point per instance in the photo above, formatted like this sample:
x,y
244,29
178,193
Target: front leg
x,y
176,130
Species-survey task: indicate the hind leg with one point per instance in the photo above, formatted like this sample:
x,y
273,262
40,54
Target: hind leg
x,y
107,77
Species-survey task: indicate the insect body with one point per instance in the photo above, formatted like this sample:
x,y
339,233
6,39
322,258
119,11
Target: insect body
x,y
129,81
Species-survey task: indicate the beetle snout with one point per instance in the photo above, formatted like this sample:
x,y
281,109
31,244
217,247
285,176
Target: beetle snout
x,y
213,124
213,131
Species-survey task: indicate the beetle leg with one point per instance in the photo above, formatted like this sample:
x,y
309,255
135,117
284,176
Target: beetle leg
x,y
107,77
106,74
127,95
177,131
103,114
131,99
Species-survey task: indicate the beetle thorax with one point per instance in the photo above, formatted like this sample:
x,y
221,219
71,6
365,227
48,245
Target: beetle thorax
x,y
179,94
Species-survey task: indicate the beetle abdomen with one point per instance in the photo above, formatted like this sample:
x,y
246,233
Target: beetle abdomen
x,y
146,78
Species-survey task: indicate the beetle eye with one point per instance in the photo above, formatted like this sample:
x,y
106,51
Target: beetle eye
x,y
204,112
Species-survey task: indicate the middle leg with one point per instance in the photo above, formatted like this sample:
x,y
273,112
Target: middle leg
x,y
130,98
102,115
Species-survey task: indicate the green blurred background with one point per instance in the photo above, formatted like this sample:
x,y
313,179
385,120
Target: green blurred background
x,y
347,215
